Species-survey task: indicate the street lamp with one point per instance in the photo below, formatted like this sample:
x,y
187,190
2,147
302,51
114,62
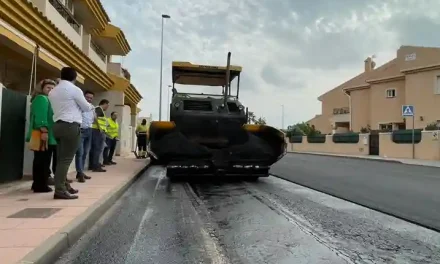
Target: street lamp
x,y
161,59
168,107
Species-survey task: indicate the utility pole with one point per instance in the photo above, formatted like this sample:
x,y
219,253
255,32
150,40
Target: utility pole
x,y
161,61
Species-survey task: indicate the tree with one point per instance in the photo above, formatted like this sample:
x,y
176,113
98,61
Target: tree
x,y
260,121
251,117
303,129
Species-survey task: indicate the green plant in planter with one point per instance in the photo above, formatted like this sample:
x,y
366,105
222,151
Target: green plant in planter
x,y
431,126
366,129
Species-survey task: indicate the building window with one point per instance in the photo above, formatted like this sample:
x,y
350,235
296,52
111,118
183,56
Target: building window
x,y
437,85
391,93
386,127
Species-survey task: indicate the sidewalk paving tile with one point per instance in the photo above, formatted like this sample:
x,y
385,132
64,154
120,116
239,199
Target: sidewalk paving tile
x,y
13,255
22,231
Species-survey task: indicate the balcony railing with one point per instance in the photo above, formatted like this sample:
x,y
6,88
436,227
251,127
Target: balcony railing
x,y
341,111
98,50
66,14
126,73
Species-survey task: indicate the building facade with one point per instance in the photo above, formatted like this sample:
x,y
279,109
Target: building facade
x,y
37,39
374,98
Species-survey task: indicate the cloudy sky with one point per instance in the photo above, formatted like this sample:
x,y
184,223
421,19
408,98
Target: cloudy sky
x,y
291,51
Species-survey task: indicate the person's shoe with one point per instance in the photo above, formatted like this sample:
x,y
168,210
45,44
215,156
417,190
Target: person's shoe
x,y
70,189
42,190
86,177
107,163
99,170
80,177
64,195
113,163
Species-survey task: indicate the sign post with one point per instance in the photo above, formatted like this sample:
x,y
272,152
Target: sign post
x,y
408,110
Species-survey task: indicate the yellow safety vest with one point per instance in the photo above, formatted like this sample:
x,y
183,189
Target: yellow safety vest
x,y
113,128
102,122
141,129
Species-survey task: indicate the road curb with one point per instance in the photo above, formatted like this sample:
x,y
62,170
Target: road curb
x,y
348,157
52,248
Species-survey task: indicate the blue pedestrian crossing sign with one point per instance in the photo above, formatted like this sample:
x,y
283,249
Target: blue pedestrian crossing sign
x,y
407,110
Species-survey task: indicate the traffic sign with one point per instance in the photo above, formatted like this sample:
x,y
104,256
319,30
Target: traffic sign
x,y
407,110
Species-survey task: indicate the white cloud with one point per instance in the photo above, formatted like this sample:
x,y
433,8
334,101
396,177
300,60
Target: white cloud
x,y
291,51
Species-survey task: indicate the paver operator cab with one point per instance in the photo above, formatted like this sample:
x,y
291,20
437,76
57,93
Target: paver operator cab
x,y
209,134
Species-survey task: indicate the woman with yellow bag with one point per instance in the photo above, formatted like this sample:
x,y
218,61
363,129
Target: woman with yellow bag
x,y
40,135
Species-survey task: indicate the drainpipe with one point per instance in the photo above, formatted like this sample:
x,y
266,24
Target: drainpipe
x,y
349,107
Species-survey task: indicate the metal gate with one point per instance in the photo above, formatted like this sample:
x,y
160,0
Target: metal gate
x,y
12,134
374,144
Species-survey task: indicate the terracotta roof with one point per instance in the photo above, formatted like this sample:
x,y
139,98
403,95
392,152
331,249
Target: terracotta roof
x,y
357,79
389,69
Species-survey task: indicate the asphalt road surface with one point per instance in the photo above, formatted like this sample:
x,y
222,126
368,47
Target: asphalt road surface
x,y
234,222
407,191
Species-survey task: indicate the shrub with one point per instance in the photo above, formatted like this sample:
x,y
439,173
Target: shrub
x,y
350,137
431,126
405,136
296,139
316,138
366,129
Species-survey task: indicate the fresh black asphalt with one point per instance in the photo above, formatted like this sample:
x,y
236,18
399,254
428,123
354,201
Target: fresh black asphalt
x,y
407,191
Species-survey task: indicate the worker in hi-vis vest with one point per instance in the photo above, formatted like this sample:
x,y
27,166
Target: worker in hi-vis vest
x,y
99,129
112,139
141,133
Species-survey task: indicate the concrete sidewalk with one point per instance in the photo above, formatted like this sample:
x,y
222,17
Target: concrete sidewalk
x,y
35,228
428,163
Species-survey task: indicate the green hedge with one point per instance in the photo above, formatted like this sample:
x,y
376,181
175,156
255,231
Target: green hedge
x,y
405,136
351,138
296,139
316,139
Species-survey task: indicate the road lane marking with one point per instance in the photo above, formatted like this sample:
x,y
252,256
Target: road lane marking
x,y
213,249
131,252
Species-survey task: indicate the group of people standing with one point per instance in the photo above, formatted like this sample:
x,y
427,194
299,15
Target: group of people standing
x,y
64,124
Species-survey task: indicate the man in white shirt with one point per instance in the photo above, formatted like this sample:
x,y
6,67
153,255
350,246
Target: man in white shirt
x,y
68,103
86,140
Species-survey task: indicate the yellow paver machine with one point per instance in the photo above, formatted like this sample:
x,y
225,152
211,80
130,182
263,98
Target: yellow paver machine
x,y
210,134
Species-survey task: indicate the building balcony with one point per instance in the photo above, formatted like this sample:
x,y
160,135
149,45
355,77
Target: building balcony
x,y
117,69
341,115
341,111
97,56
62,17
113,41
132,96
118,76
91,14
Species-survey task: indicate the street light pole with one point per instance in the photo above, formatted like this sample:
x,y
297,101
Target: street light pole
x,y
161,61
168,96
282,116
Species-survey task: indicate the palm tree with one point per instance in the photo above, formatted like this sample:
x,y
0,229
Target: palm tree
x,y
251,117
260,121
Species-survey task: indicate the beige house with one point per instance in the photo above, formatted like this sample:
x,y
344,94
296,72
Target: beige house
x,y
375,97
38,38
